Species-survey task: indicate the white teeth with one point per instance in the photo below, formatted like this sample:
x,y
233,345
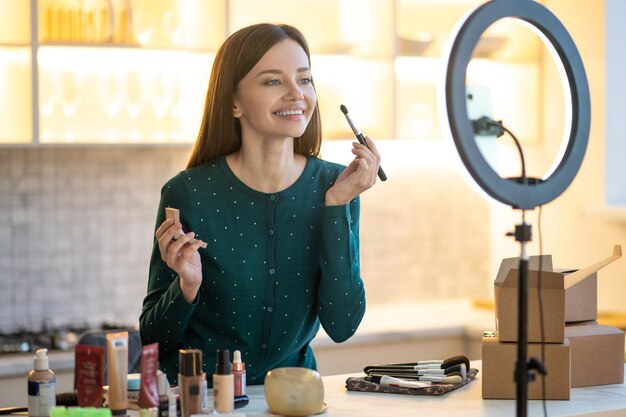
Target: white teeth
x,y
289,112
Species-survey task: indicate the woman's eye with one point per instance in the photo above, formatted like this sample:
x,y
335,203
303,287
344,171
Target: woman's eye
x,y
272,82
306,80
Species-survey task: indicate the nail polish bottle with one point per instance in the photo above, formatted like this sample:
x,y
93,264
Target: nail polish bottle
x,y
223,383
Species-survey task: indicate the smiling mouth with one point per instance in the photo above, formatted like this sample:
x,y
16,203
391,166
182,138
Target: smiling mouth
x,y
289,113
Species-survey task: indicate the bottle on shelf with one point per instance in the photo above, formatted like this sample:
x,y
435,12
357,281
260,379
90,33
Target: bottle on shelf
x,y
122,22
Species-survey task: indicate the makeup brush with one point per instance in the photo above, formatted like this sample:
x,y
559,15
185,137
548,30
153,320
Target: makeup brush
x,y
389,381
460,368
428,364
361,139
441,379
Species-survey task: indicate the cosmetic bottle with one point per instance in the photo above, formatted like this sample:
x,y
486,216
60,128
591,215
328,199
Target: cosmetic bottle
x,y
117,362
239,374
164,400
205,394
223,383
190,381
41,386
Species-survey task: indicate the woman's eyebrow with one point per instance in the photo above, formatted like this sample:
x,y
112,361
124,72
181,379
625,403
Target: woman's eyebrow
x,y
279,72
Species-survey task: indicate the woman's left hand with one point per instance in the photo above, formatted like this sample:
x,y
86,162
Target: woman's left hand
x,y
357,177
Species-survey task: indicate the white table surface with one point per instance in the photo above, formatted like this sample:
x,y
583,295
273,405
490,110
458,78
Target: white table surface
x,y
600,401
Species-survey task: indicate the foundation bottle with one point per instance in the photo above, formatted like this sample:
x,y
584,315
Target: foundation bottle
x,y
223,383
190,381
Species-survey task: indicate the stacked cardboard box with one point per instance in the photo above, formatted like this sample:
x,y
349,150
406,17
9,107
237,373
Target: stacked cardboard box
x,y
578,351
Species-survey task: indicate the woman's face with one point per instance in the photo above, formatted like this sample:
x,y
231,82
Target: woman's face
x,y
276,99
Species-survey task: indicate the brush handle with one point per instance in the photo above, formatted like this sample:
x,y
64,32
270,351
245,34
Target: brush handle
x,y
381,173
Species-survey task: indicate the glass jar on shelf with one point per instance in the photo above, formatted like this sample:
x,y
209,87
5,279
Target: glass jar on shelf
x,y
75,21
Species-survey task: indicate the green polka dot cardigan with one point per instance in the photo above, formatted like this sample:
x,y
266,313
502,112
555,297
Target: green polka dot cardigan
x,y
276,266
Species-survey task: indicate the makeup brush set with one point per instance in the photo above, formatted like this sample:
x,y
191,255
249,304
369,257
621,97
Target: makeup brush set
x,y
448,371
431,377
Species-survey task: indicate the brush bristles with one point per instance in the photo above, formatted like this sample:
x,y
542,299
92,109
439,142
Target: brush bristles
x,y
343,108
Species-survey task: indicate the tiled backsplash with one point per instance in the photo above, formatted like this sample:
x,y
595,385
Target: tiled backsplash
x,y
76,228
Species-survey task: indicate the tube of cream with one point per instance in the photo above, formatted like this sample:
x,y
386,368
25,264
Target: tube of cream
x,y
190,381
117,357
149,391
89,375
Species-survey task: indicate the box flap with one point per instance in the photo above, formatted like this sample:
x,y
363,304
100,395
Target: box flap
x,y
533,265
549,280
581,274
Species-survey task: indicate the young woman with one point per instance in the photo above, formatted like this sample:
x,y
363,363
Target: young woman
x,y
281,225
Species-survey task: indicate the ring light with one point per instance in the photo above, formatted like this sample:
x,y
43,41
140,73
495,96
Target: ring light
x,y
510,191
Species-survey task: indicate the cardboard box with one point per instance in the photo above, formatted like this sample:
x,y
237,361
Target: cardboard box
x,y
499,360
568,296
597,354
581,298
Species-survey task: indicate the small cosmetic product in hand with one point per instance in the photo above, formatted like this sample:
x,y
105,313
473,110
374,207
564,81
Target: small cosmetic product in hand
x,y
174,214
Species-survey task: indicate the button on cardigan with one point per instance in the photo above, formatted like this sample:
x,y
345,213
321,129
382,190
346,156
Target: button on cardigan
x,y
276,266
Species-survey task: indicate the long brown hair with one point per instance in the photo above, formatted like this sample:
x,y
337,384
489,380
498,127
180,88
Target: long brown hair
x,y
220,131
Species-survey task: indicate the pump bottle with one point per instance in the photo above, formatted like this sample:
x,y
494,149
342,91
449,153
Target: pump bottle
x,y
41,386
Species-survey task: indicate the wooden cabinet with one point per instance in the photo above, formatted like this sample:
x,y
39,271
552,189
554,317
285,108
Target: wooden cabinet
x,y
136,71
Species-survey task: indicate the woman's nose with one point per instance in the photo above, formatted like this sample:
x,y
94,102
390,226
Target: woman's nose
x,y
295,92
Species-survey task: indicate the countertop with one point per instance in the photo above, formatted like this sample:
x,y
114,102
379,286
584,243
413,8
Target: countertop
x,y
600,401
381,323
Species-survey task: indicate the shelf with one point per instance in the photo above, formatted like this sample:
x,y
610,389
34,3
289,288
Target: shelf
x,y
416,97
197,25
157,24
362,86
134,46
10,45
110,95
360,28
14,22
15,101
143,80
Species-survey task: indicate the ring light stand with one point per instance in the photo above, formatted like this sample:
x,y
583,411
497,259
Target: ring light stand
x,y
517,193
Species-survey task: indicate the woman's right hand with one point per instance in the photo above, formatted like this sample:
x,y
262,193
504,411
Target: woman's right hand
x,y
181,255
